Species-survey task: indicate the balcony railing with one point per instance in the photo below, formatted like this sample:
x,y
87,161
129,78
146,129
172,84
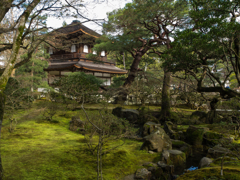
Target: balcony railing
x,y
76,56
65,56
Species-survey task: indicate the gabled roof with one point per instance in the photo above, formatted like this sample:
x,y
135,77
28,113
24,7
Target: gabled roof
x,y
76,26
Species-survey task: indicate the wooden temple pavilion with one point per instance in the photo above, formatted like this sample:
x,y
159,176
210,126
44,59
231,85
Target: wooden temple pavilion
x,y
69,48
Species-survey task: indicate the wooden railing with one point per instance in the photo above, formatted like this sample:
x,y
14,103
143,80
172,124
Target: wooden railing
x,y
76,56
65,56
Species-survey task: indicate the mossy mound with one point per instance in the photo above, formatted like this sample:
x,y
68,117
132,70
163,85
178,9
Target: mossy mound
x,y
212,173
211,138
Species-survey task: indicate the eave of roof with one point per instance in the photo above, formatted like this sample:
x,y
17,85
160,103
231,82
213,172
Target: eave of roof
x,y
88,66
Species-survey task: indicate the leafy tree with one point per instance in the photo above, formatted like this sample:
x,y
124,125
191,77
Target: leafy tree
x,y
146,26
79,86
33,71
209,49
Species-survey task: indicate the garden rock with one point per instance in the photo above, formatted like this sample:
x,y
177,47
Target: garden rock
x,y
178,158
194,135
131,115
149,128
204,162
165,157
168,127
142,174
165,167
157,141
76,124
129,177
182,146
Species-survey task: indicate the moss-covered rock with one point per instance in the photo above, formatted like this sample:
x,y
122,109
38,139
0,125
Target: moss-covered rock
x,y
211,138
182,146
149,128
157,141
170,128
142,174
178,158
194,135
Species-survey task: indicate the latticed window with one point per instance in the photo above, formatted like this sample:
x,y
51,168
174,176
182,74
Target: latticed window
x,y
94,52
85,49
73,48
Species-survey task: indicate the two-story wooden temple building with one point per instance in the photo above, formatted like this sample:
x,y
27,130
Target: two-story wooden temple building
x,y
69,47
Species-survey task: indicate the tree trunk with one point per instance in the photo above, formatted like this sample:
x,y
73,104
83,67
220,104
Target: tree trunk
x,y
165,109
122,94
212,114
133,70
2,106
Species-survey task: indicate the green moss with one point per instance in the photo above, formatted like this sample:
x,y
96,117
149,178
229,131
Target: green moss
x,y
44,150
212,173
178,143
213,135
178,160
195,136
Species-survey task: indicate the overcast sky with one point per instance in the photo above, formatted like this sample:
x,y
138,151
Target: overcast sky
x,y
95,9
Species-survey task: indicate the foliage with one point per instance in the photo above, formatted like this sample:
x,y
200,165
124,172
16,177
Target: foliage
x,y
78,85
118,81
33,71
208,50
17,93
145,87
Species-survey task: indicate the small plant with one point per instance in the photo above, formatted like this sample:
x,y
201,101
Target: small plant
x,y
13,123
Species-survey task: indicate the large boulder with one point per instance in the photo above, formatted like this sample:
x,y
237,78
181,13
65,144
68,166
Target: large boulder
x,y
157,141
76,124
204,162
149,128
194,135
131,115
142,174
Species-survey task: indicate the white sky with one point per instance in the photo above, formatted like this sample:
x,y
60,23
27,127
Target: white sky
x,y
93,10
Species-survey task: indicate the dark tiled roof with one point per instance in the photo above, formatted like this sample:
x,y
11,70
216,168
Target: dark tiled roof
x,y
60,66
100,68
88,66
75,27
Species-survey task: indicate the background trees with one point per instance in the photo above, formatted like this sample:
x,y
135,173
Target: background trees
x,y
145,27
208,50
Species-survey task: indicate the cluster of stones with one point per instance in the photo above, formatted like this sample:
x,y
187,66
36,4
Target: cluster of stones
x,y
173,146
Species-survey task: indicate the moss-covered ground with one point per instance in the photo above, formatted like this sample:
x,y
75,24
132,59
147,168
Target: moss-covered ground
x,y
40,150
